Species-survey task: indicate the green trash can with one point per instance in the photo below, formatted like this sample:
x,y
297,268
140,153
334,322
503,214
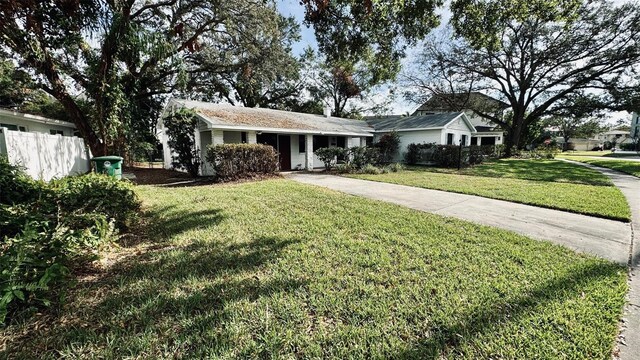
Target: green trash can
x,y
110,165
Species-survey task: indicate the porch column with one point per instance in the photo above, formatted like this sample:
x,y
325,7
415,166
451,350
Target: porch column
x,y
308,152
252,137
217,137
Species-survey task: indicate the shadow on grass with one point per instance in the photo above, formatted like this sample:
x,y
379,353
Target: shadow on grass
x,y
446,339
171,292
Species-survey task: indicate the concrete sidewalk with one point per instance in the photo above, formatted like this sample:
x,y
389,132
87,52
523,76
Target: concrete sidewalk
x,y
629,343
605,238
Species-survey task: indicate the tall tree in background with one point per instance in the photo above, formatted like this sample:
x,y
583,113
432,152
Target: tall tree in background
x,y
365,37
266,73
542,57
122,57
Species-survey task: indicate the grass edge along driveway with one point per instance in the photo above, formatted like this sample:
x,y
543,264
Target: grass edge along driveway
x,y
551,184
277,269
625,166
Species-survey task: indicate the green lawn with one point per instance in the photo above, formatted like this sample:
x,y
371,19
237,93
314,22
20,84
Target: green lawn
x,y
547,183
629,167
277,269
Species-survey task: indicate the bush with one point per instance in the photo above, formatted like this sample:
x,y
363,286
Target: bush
x,y
360,156
370,169
329,156
395,167
181,128
97,193
449,155
46,227
344,168
388,145
629,147
239,161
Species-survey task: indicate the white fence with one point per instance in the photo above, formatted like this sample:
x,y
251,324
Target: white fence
x,y
45,156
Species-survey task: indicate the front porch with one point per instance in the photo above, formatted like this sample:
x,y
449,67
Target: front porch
x,y
296,150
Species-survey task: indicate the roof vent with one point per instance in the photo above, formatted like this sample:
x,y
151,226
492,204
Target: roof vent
x,y
327,111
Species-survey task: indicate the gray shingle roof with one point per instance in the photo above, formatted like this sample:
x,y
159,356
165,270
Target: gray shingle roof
x,y
461,101
229,116
413,122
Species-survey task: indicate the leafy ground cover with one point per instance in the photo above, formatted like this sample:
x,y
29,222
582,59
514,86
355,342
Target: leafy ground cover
x,y
547,183
626,166
278,269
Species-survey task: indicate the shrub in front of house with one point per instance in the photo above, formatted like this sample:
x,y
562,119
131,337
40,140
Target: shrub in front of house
x,y
360,156
448,155
388,145
46,228
240,161
181,128
330,155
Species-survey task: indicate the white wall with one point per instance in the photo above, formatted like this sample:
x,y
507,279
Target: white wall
x,y
418,137
45,156
33,126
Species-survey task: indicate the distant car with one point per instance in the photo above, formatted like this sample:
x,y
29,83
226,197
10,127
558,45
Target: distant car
x,y
597,148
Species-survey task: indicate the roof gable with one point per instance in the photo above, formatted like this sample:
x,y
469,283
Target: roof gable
x,y
461,101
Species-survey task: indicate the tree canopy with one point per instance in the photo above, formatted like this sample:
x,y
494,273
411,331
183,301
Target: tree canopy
x,y
111,63
540,65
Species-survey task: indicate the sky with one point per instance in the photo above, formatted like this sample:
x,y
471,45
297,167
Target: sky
x,y
399,105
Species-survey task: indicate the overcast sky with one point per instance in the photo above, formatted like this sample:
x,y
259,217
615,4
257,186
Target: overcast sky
x,y
399,106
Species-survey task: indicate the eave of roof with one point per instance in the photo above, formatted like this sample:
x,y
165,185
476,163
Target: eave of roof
x,y
35,118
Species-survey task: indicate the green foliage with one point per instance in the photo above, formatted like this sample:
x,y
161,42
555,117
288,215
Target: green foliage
x,y
373,32
388,145
96,193
329,156
360,156
242,161
448,155
181,127
126,58
44,228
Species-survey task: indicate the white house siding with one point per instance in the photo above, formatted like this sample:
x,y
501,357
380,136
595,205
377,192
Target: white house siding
x,y
45,156
32,126
418,137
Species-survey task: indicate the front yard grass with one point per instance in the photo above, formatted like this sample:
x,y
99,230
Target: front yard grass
x,y
277,269
626,166
547,183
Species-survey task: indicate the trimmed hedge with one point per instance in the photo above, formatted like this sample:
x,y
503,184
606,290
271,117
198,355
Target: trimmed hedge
x,y
240,161
448,155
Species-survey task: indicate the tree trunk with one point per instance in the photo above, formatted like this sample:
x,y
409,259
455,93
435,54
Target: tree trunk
x,y
513,139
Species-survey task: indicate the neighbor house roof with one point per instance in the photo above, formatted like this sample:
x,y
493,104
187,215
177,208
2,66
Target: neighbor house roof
x,y
460,101
417,122
229,117
12,114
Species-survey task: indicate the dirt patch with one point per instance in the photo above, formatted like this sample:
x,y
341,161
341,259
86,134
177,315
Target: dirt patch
x,y
148,176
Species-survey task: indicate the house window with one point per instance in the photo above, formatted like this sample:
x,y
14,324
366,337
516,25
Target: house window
x,y
449,139
302,144
243,137
320,141
22,128
56,132
464,140
10,127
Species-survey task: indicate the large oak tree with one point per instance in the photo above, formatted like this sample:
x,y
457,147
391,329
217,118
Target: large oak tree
x,y
110,62
542,61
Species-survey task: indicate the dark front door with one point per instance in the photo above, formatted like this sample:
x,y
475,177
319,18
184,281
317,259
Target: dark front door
x,y
284,148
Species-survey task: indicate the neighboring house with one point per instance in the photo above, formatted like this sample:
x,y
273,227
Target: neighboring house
x,y
296,136
635,125
441,128
487,133
46,148
617,136
16,121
